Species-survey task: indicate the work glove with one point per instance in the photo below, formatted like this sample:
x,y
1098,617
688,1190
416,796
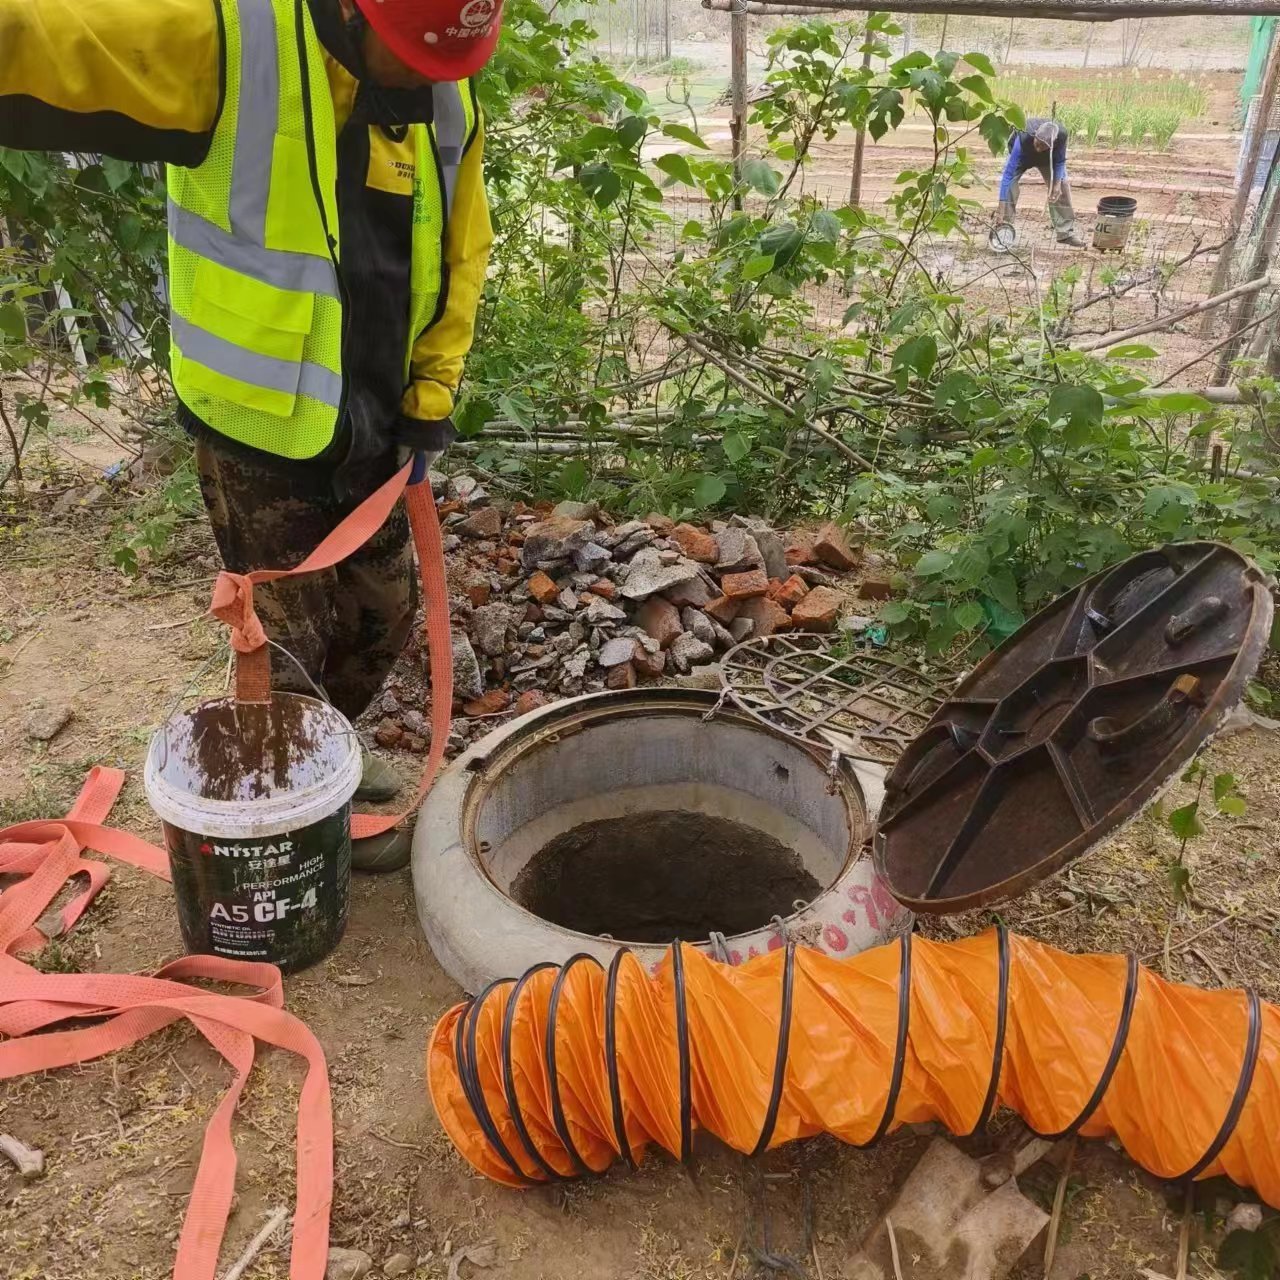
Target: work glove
x,y
430,437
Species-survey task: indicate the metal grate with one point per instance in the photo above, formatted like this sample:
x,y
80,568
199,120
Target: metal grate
x,y
866,705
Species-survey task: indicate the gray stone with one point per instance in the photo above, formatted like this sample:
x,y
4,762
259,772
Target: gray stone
x,y
537,635
439,484
649,575
1245,1217
623,532
624,550
451,543
399,1264
600,610
738,551
577,510
553,614
347,1264
569,600
668,557
688,651
575,665
709,676
524,630
615,652
697,622
465,488
45,722
591,558
415,722
468,682
855,622
489,627
724,637
773,549
583,581
741,629
693,594
577,632
554,539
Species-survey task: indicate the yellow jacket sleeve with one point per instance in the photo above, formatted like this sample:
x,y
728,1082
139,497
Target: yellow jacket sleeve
x,y
137,79
439,353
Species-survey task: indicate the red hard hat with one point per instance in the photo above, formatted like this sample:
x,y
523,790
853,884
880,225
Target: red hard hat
x,y
439,39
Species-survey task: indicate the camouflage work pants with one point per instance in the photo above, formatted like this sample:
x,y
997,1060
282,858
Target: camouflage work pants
x,y
346,625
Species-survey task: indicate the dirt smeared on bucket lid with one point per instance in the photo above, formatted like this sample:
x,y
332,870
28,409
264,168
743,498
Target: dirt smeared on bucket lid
x,y
231,751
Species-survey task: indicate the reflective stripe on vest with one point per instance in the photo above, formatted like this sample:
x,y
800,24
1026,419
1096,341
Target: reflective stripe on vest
x,y
255,294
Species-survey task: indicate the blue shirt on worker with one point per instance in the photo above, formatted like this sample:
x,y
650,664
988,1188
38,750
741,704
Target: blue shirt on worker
x,y
1023,155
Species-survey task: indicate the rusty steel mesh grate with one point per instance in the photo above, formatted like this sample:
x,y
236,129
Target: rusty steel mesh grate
x,y
864,704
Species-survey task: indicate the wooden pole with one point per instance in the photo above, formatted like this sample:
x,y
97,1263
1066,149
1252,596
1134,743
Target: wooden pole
x,y
738,88
1266,99
1258,265
860,142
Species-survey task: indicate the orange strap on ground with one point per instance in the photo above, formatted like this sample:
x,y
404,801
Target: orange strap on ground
x,y
125,1008
233,604
565,1070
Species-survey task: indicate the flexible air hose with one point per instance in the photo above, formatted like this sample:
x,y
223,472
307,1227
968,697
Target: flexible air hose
x,y
559,1073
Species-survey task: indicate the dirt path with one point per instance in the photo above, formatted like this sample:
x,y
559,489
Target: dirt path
x,y
122,1136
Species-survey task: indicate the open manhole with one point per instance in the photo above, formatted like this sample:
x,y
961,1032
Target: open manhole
x,y
639,818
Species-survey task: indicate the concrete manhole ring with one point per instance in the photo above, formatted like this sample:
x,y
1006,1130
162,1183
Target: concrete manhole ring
x,y
633,818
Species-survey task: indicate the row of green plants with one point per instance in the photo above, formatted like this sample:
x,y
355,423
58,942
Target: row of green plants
x,y
1122,124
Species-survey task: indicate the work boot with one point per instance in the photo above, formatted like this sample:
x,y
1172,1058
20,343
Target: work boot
x,y
387,852
1073,239
378,780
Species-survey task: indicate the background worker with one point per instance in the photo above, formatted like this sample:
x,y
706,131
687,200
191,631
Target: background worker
x,y
328,238
1041,145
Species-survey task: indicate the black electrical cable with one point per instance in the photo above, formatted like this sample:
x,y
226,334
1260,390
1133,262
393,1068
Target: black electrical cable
x,y
509,1081
557,1106
780,1055
611,1057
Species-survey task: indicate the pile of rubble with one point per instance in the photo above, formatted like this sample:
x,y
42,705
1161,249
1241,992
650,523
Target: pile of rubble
x,y
560,601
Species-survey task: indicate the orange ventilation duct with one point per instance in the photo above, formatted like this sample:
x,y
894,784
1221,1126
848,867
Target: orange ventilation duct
x,y
563,1071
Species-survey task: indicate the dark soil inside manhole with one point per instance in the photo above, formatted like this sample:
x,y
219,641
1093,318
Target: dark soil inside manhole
x,y
655,877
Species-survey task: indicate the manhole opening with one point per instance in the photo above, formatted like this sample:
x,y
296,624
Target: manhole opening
x,y
652,877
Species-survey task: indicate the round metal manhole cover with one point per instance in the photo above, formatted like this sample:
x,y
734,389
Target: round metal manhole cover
x,y
817,690
1072,726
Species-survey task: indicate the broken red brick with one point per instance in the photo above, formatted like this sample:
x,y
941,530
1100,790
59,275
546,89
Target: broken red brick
x,y
831,546
723,610
515,538
479,591
415,744
659,523
530,700
388,734
876,589
542,589
450,508
649,666
745,586
623,676
697,543
533,613
791,592
768,615
800,549
604,589
660,619
818,610
488,704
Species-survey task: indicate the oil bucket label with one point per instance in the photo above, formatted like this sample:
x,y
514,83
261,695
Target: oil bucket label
x,y
281,898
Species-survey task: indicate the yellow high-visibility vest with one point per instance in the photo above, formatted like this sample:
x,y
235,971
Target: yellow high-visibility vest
x,y
254,287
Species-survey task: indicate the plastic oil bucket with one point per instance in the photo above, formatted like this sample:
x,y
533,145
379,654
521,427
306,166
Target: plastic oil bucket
x,y
256,806
1115,218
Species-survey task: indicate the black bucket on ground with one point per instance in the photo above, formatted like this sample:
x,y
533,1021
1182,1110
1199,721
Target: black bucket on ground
x,y
1115,219
256,806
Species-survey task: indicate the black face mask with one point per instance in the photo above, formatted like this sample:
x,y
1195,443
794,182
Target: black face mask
x,y
344,39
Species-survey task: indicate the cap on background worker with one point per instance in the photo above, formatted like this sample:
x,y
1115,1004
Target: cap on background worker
x,y
328,237
1042,145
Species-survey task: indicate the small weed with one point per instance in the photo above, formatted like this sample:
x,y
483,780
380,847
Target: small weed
x,y
147,533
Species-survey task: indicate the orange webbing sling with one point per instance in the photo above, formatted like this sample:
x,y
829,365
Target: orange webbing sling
x,y
45,856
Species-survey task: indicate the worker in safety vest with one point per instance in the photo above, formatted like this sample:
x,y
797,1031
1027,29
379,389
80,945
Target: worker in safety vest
x,y
1042,145
328,238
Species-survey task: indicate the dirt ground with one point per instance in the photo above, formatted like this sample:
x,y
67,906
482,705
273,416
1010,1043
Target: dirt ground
x,y
122,1136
